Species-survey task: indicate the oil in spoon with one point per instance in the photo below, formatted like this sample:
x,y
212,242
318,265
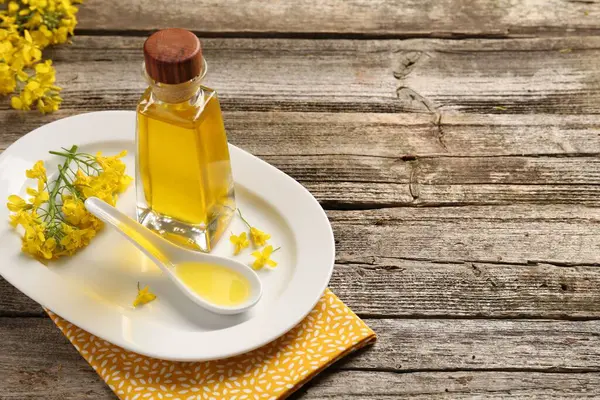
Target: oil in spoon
x,y
217,284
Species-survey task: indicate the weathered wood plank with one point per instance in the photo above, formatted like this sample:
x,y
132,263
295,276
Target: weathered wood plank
x,y
381,17
37,361
403,288
512,234
537,75
400,135
377,160
366,385
441,170
251,74
408,288
474,344
15,303
429,76
465,262
341,181
402,345
359,385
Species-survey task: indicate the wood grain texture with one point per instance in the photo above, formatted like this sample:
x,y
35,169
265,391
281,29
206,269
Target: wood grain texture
x,y
428,76
13,303
407,288
341,181
560,234
37,361
497,355
460,176
359,385
352,160
396,136
388,18
403,345
470,261
368,385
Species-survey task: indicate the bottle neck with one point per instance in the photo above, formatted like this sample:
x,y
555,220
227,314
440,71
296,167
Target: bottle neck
x,y
177,93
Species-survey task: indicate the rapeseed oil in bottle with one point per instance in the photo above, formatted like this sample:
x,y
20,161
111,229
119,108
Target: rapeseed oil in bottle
x,y
183,177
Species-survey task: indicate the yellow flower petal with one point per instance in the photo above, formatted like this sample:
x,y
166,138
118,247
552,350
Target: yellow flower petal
x,y
38,171
271,263
267,251
32,85
48,248
22,76
13,7
239,242
263,258
256,254
258,237
16,203
144,296
20,218
16,103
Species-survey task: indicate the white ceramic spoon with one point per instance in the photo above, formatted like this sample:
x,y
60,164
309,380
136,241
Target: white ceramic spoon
x,y
167,255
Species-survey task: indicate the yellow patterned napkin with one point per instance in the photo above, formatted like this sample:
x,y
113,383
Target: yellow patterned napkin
x,y
274,371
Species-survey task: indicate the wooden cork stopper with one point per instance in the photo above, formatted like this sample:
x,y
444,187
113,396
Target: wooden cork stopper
x,y
173,56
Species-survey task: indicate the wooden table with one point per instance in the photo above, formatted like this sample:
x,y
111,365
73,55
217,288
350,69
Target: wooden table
x,y
454,145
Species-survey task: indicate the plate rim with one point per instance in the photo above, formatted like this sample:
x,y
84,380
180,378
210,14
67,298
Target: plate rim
x,y
238,154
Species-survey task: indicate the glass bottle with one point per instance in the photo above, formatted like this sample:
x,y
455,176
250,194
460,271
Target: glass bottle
x,y
183,176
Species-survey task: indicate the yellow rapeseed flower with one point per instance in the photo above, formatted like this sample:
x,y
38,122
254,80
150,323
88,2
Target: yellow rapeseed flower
x,y
26,28
13,7
75,238
264,258
74,210
8,81
111,162
240,242
28,51
43,36
16,203
72,239
21,217
38,197
109,183
36,243
258,237
37,172
47,248
35,4
63,225
39,91
144,296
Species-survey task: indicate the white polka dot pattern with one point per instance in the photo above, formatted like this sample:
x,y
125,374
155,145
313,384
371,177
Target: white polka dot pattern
x,y
274,371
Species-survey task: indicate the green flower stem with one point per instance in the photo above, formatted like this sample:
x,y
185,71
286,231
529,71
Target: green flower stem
x,y
243,219
52,207
75,157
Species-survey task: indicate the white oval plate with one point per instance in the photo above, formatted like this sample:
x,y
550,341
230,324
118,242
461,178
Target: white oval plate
x,y
95,288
